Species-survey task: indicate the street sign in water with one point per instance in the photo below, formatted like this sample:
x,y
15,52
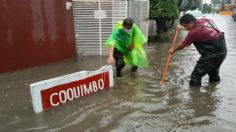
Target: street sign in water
x,y
53,92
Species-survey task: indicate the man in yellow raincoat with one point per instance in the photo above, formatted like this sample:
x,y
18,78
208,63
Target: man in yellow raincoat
x,y
126,47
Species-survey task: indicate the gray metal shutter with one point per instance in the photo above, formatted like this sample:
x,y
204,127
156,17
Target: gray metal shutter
x,y
94,20
139,12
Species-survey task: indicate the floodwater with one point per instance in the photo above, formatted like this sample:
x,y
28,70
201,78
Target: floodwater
x,y
137,102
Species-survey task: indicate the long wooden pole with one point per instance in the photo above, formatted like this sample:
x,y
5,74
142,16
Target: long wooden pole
x,y
169,56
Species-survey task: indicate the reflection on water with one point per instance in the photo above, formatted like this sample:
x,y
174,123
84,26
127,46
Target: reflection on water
x,y
137,102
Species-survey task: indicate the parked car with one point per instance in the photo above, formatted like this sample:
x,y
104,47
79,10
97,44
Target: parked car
x,y
196,13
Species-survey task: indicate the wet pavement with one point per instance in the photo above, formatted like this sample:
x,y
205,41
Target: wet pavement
x,y
137,102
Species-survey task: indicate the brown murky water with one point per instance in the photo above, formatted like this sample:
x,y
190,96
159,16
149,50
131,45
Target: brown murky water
x,y
137,102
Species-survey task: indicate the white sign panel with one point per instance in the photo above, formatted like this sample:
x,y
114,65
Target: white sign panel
x,y
53,92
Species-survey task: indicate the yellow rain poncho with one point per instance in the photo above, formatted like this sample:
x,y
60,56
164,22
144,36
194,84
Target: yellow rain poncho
x,y
121,40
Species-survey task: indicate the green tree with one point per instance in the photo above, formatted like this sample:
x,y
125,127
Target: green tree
x,y
209,9
164,12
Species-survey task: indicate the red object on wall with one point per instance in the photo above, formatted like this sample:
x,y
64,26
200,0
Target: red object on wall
x,y
34,32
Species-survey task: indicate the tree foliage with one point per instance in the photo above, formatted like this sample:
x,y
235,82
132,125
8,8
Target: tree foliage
x,y
165,12
167,9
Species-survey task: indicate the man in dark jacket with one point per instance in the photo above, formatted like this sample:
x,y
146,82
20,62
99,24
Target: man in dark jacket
x,y
209,42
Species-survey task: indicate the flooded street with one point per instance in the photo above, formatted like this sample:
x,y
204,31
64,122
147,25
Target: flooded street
x,y
137,102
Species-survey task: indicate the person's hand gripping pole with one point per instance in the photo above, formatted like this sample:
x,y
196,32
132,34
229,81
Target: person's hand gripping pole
x,y
170,55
